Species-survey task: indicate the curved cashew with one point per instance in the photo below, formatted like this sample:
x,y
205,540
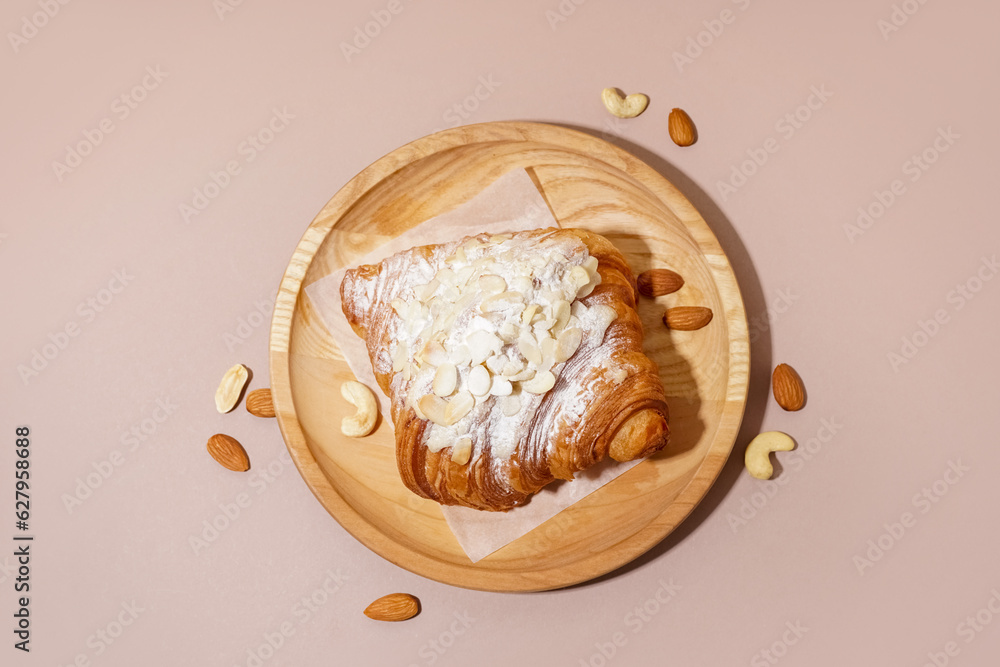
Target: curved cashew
x,y
363,421
624,106
757,460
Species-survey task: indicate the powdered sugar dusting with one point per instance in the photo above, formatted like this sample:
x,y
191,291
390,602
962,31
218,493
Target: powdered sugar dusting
x,y
504,310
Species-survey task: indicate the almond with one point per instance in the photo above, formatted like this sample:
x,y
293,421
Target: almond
x,y
567,344
230,390
393,607
228,452
687,318
461,451
539,384
681,128
657,282
788,389
259,403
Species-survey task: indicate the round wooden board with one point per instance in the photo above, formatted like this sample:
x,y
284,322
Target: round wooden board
x,y
588,183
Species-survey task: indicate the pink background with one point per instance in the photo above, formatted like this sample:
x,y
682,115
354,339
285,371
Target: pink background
x,y
194,297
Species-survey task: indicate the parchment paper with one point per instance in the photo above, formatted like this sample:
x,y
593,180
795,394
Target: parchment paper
x,y
511,203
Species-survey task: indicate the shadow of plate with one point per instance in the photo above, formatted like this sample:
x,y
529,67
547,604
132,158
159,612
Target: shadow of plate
x,y
760,343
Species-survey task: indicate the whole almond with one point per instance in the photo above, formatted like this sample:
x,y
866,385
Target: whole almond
x,y
259,403
393,607
681,128
687,318
657,282
228,452
227,396
788,389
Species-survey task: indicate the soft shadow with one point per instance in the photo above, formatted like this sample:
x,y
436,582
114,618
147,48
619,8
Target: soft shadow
x,y
760,343
686,426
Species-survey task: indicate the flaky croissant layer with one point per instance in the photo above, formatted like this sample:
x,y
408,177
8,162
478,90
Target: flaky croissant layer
x,y
510,360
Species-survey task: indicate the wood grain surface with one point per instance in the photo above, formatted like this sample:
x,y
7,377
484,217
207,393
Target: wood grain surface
x,y
588,183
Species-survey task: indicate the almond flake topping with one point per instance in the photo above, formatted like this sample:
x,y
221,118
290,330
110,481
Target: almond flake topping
x,y
492,326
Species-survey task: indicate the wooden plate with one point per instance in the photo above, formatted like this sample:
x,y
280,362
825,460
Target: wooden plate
x,y
588,183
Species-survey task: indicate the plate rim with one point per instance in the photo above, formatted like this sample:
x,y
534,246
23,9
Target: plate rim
x,y
468,575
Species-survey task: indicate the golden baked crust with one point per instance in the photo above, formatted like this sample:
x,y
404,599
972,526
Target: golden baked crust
x,y
607,399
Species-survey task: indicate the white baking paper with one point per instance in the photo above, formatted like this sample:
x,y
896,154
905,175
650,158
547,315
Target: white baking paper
x,y
511,203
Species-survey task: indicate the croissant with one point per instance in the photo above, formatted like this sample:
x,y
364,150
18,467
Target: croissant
x,y
510,361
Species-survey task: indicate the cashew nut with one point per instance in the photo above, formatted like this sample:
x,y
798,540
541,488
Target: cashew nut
x,y
363,421
622,106
757,458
